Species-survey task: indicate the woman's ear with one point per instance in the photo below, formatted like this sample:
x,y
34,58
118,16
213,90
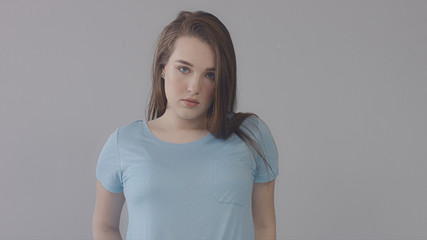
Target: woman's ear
x,y
163,72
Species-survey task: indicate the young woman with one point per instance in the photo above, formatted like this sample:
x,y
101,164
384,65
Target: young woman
x,y
195,169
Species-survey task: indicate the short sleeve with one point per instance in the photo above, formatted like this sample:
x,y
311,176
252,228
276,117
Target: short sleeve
x,y
265,139
108,169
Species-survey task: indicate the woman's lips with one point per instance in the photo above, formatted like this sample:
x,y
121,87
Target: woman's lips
x,y
191,100
190,103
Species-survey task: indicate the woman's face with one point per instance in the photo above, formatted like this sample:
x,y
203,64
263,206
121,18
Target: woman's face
x,y
190,78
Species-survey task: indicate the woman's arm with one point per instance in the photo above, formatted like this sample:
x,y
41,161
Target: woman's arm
x,y
106,216
263,212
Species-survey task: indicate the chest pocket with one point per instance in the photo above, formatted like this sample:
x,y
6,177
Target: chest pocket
x,y
233,179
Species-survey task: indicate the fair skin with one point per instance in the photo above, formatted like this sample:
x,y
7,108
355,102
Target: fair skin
x,y
189,73
263,212
106,215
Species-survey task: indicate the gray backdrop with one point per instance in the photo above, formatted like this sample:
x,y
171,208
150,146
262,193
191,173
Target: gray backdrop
x,y
342,85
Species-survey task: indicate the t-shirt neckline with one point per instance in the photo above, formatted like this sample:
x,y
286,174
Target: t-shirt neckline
x,y
199,141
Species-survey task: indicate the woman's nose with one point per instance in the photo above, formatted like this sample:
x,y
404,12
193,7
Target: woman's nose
x,y
194,86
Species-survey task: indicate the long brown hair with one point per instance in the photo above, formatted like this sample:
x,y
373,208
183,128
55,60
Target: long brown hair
x,y
211,30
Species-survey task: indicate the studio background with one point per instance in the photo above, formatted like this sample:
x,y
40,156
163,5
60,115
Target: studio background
x,y
341,84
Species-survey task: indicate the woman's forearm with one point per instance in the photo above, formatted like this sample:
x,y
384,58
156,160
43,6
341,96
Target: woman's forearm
x,y
106,234
265,233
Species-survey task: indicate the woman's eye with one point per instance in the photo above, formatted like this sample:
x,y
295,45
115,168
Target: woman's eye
x,y
210,75
184,70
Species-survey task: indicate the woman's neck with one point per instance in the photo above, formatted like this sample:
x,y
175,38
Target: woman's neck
x,y
172,122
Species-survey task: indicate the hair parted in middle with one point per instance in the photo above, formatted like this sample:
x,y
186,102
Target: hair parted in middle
x,y
209,29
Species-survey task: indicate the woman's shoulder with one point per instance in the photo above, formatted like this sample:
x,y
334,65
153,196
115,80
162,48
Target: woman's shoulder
x,y
130,129
255,124
131,125
250,120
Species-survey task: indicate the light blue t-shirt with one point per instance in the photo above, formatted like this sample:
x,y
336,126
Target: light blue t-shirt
x,y
196,190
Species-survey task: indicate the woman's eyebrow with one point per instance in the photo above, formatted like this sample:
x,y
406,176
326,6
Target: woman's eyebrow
x,y
191,65
185,62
